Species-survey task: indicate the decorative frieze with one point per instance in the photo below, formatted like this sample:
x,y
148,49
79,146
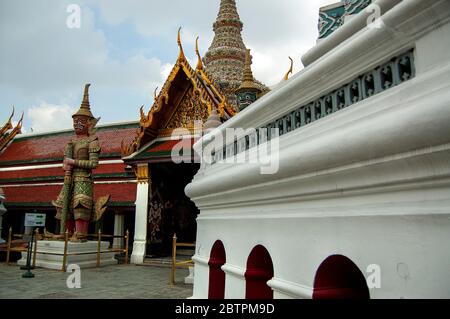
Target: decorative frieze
x,y
388,75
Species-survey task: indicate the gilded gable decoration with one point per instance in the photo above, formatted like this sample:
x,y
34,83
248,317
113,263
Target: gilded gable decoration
x,y
188,95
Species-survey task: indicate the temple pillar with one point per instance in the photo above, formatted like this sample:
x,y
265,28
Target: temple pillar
x,y
119,230
140,228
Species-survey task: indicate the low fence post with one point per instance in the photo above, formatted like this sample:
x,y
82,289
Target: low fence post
x,y
8,251
127,237
174,259
36,233
99,247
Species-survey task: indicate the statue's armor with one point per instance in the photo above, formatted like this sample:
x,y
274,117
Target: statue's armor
x,y
85,152
86,155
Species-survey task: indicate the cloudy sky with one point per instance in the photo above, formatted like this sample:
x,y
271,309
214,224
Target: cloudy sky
x,y
126,48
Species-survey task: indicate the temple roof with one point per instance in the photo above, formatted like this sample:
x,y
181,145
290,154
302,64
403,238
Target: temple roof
x,y
31,172
188,95
49,147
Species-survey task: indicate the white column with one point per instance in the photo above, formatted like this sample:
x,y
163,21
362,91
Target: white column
x,y
119,230
140,227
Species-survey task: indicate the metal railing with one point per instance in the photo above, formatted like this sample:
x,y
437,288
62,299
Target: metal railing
x,y
10,249
99,236
175,263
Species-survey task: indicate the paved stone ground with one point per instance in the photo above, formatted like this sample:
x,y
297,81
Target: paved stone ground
x,y
109,282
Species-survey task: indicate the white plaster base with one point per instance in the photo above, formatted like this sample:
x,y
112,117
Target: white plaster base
x,y
190,278
56,248
137,257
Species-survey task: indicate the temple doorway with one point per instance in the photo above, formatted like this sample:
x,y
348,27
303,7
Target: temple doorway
x,y
170,211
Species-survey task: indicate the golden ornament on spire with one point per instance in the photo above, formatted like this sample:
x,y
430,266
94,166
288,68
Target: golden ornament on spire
x,y
291,69
85,109
248,82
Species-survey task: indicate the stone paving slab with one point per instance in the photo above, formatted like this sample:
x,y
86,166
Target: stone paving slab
x,y
108,282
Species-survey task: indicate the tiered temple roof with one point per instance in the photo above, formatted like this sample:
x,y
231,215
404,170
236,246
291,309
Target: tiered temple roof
x,y
188,95
32,175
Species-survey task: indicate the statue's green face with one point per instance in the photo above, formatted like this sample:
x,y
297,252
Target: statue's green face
x,y
81,125
245,99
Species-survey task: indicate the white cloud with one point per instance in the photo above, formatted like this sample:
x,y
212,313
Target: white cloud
x,y
48,56
274,30
49,117
42,59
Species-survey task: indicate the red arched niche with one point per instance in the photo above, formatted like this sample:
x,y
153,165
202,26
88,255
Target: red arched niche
x,y
259,271
216,274
339,278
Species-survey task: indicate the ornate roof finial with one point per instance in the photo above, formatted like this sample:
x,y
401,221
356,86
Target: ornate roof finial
x,y
199,62
85,109
142,114
5,140
179,42
291,69
8,125
154,94
19,124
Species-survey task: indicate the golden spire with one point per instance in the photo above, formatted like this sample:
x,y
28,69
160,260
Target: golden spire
x,y
199,63
248,81
248,74
291,69
85,109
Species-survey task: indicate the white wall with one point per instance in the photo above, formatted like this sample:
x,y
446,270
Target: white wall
x,y
370,182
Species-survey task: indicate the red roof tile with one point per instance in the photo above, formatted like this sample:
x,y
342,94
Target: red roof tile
x,y
45,194
51,146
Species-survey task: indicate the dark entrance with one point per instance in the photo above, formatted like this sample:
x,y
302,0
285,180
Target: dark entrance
x,y
170,211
